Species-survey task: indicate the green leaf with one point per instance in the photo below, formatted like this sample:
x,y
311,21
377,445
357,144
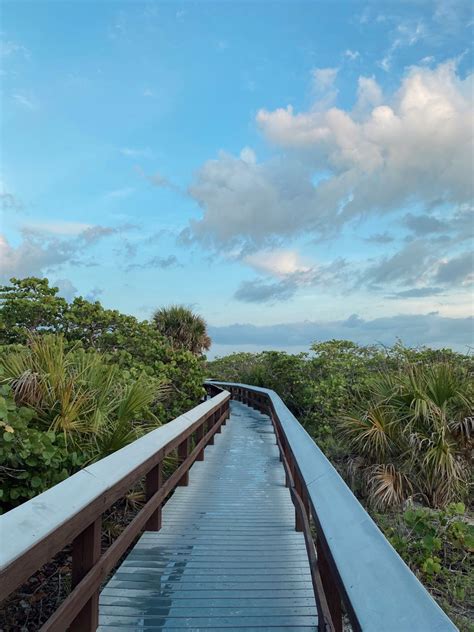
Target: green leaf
x,y
36,482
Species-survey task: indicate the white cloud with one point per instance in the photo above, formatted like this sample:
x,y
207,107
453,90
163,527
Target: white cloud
x,y
31,257
414,146
26,102
292,274
249,203
120,193
369,95
324,78
248,155
41,251
351,54
406,34
135,153
278,263
55,228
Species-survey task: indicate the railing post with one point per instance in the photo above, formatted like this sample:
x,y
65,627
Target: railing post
x,y
209,425
297,482
152,485
331,592
85,553
199,435
183,453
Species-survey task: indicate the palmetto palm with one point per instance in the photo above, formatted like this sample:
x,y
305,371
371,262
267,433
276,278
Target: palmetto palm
x,y
414,436
183,328
76,393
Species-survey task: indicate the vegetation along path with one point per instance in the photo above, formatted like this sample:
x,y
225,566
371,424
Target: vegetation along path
x,y
227,556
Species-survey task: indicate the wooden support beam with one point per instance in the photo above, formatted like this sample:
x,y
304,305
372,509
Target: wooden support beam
x,y
153,483
330,587
199,435
183,451
85,553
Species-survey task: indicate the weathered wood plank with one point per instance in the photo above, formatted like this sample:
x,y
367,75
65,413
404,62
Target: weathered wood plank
x,y
227,555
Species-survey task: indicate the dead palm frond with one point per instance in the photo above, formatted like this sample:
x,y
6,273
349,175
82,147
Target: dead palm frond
x,y
388,486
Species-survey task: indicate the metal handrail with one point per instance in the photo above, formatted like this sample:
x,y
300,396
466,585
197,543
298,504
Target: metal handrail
x,y
356,564
71,511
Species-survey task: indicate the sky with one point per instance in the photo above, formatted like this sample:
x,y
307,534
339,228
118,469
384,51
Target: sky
x,y
293,171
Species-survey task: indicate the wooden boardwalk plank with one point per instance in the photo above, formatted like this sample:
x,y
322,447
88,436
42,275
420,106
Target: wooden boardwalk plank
x,y
228,556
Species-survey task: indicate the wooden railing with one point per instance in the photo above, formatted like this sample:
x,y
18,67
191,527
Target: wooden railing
x,y
71,512
354,568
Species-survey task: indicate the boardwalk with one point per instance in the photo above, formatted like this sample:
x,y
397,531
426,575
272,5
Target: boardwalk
x,y
228,556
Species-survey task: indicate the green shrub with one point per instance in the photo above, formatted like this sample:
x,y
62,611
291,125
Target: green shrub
x,y
438,547
32,459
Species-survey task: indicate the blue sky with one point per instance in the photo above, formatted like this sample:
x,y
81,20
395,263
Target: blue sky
x,y
293,170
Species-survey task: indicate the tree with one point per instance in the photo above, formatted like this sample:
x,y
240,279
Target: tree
x,y
29,305
183,328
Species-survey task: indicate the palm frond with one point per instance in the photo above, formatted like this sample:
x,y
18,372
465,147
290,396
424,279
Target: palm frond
x,y
388,486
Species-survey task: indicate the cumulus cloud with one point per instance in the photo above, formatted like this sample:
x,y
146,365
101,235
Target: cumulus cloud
x,y
414,329
413,146
250,203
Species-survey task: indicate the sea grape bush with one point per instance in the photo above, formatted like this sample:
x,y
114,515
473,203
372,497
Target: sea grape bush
x,y
79,381
438,547
32,459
